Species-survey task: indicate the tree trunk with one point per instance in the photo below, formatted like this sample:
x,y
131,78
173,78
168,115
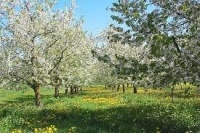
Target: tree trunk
x,y
123,87
112,87
71,90
172,94
75,89
105,87
118,87
37,94
127,84
56,91
80,88
134,89
66,91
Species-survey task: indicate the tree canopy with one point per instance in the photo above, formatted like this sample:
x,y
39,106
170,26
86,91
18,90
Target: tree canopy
x,y
41,45
169,29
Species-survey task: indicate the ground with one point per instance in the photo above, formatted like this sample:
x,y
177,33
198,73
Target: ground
x,y
96,110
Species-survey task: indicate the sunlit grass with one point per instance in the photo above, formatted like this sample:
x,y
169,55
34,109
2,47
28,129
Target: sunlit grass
x,y
98,110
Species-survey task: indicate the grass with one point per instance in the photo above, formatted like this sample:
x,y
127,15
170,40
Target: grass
x,y
96,110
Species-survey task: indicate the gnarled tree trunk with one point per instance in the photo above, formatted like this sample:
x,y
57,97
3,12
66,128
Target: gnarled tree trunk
x,y
36,87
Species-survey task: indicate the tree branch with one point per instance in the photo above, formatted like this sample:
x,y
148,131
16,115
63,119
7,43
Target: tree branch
x,y
176,44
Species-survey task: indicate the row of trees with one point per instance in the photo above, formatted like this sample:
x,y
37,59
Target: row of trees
x,y
155,43
40,45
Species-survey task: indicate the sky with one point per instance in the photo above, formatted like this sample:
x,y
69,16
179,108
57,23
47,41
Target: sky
x,y
94,13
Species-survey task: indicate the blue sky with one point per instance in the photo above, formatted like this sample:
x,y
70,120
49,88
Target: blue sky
x,y
94,13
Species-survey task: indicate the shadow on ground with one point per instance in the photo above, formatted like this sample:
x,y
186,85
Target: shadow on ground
x,y
146,118
137,119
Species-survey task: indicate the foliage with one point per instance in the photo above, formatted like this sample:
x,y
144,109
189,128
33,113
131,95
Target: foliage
x,y
41,45
170,30
122,60
30,31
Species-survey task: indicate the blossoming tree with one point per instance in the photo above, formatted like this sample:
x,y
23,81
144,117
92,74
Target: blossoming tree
x,y
35,38
169,28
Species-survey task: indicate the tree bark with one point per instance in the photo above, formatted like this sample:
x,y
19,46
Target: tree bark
x,y
71,90
118,87
37,94
75,89
66,91
56,91
134,89
123,87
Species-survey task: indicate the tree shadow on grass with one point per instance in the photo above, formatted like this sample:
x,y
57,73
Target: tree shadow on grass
x,y
20,99
30,99
123,119
113,120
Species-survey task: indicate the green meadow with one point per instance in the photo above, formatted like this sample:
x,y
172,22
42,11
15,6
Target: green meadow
x,y
96,110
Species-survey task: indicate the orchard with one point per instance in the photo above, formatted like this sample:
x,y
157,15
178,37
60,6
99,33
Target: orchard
x,y
143,68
